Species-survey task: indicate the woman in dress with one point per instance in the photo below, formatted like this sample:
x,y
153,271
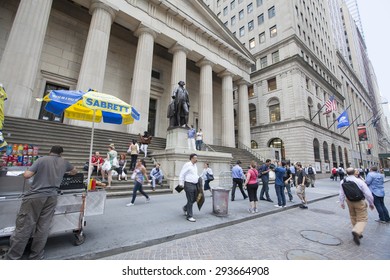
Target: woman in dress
x,y
139,176
122,172
112,157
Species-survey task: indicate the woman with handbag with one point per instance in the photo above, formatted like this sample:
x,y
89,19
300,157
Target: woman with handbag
x,y
207,176
139,176
122,172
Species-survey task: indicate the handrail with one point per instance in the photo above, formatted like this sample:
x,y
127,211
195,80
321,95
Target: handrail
x,y
208,147
254,153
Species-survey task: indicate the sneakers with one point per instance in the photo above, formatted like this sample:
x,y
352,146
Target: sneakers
x,y
303,206
147,200
292,201
270,200
129,204
278,206
185,212
250,210
380,221
256,210
191,219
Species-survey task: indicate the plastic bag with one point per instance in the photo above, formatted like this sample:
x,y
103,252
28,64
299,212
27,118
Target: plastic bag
x,y
115,162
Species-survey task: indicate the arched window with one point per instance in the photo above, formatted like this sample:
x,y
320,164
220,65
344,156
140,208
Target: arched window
x,y
341,155
326,152
252,114
277,143
310,107
254,145
316,147
346,157
274,110
334,157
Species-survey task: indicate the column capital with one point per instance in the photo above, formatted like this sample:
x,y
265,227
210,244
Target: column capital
x,y
177,47
97,4
142,29
203,62
242,82
225,73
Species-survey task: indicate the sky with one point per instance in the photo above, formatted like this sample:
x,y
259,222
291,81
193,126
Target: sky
x,y
374,15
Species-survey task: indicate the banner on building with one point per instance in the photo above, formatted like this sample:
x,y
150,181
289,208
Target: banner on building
x,y
362,132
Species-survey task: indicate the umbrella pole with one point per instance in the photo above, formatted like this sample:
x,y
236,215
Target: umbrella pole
x,y
90,147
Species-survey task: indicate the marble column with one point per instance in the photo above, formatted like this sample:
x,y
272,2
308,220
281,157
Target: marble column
x,y
227,110
179,65
244,133
93,66
140,88
21,57
206,119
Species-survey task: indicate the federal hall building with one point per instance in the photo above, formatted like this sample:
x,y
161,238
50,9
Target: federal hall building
x,y
258,72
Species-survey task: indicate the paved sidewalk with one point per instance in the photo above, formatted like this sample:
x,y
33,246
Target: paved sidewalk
x,y
122,229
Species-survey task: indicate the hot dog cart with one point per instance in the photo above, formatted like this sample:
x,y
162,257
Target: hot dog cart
x,y
73,205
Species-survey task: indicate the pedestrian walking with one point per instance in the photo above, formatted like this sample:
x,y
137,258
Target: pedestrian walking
x,y
280,173
293,173
375,182
145,140
311,174
301,185
334,174
357,208
251,184
341,172
139,176
238,179
288,182
189,179
207,176
39,202
264,174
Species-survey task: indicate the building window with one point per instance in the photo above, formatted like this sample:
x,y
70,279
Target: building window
x,y
307,83
259,3
241,14
252,43
271,84
156,74
251,91
232,4
262,38
226,23
249,8
263,62
225,11
233,21
274,110
260,19
252,115
275,57
316,148
254,144
273,31
250,25
271,12
242,31
326,152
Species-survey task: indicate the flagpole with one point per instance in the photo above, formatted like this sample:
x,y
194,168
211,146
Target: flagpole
x,y
317,112
336,119
350,124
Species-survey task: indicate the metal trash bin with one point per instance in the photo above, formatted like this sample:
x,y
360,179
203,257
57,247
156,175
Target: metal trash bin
x,y
221,194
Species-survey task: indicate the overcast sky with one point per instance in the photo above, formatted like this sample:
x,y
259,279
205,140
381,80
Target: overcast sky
x,y
375,15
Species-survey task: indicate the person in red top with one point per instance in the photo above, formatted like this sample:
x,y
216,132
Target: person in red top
x,y
251,184
96,163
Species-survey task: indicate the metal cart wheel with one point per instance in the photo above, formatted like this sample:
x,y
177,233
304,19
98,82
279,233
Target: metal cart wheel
x,y
79,238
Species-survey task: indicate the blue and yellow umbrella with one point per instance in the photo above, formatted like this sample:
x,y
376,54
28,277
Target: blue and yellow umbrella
x,y
90,106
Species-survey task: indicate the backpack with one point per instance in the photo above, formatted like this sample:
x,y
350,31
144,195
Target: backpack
x,y
352,191
340,171
310,170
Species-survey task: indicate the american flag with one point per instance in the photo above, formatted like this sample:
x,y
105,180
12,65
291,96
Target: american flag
x,y
330,105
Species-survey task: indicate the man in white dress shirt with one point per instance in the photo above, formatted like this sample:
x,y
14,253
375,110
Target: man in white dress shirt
x,y
189,179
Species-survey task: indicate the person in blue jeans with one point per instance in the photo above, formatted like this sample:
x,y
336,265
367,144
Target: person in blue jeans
x,y
139,176
280,172
264,174
375,182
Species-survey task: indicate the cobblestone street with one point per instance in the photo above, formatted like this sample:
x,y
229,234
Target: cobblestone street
x,y
276,237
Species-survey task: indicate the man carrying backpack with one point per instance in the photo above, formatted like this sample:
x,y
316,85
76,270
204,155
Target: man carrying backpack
x,y
355,192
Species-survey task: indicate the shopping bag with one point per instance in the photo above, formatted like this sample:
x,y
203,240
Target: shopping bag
x,y
106,165
209,177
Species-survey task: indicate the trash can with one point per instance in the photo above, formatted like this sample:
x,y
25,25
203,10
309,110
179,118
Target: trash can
x,y
221,194
220,201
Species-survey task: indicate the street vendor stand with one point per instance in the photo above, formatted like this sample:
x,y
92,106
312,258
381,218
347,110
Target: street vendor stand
x,y
73,205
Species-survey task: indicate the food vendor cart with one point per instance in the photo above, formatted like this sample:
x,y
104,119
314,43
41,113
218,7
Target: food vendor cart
x,y
73,205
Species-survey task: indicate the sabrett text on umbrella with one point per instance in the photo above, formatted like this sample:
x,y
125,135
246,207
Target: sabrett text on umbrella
x,y
107,105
